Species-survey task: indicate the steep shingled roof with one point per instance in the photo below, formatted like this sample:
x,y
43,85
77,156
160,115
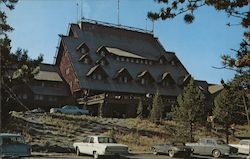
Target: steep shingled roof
x,y
116,41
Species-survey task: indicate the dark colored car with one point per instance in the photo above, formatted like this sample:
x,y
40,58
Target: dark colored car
x,y
173,149
13,146
212,147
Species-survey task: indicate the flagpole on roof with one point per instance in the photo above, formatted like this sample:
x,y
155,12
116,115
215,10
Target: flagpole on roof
x,y
118,11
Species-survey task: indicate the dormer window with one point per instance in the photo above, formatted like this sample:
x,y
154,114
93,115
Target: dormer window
x,y
145,78
123,76
85,59
102,51
102,61
83,48
97,73
166,80
162,60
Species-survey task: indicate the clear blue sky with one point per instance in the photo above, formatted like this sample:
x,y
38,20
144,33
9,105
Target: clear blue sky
x,y
199,45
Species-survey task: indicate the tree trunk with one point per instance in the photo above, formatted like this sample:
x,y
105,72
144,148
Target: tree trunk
x,y
246,110
191,131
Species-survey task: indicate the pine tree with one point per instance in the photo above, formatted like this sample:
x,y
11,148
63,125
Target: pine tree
x,y
157,108
227,110
189,108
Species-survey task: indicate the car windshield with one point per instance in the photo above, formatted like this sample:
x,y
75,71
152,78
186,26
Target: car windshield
x,y
220,142
8,140
106,140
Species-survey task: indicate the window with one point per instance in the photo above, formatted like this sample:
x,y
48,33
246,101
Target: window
x,y
146,62
125,79
137,61
99,77
127,59
86,60
91,140
102,53
142,81
67,71
172,63
83,50
132,60
122,59
118,58
102,62
142,61
150,63
25,96
161,61
39,97
43,84
94,76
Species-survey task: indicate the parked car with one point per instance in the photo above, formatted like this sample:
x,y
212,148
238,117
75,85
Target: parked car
x,y
99,146
173,149
243,147
38,110
13,145
69,109
213,147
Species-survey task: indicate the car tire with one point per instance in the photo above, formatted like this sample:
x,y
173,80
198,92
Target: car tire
x,y
216,153
155,151
171,153
78,153
96,155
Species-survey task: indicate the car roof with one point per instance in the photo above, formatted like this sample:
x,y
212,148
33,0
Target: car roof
x,y
245,140
99,136
9,135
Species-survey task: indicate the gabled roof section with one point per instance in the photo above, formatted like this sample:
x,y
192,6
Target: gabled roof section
x,y
123,53
95,69
145,73
167,76
48,76
48,73
121,71
214,88
102,51
82,45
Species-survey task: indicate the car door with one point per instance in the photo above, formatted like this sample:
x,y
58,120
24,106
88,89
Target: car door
x,y
244,147
209,147
91,146
83,146
199,147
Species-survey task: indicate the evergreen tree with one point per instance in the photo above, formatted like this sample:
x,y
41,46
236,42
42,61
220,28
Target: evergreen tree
x,y
139,109
189,108
229,108
157,108
24,68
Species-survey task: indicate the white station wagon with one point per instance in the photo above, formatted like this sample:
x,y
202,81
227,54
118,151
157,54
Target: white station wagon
x,y
243,147
100,146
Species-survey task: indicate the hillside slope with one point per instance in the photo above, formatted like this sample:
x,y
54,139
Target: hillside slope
x,y
57,132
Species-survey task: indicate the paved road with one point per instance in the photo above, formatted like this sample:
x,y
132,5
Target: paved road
x,y
132,156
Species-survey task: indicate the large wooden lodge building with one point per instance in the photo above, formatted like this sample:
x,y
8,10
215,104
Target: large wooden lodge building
x,y
110,68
